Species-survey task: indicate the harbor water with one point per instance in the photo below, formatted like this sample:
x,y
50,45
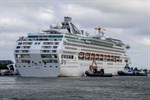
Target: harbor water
x,y
75,88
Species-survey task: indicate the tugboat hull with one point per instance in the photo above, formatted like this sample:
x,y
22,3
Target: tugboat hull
x,y
121,73
97,74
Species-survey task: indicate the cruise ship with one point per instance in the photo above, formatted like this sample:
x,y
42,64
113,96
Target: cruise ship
x,y
64,50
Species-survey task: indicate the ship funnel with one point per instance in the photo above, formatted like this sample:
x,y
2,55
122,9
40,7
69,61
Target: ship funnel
x,y
67,19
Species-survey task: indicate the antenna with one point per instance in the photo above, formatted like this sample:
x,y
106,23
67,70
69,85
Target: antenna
x,y
38,30
101,32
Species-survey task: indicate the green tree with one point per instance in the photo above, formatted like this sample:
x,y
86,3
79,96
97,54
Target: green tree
x,y
3,66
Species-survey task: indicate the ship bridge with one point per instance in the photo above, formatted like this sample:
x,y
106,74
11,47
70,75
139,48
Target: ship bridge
x,y
39,53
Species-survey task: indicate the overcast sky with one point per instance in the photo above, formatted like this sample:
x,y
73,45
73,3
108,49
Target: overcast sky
x,y
127,20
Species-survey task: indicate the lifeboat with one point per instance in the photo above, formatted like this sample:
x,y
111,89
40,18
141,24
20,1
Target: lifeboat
x,y
105,56
87,55
118,58
112,58
97,56
92,55
108,57
101,56
81,54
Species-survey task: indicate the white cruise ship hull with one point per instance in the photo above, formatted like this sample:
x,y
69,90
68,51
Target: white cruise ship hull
x,y
84,66
66,51
39,71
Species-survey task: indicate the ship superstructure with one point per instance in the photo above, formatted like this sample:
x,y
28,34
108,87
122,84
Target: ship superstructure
x,y
66,51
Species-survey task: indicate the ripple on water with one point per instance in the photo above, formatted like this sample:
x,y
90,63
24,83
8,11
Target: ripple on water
x,y
78,88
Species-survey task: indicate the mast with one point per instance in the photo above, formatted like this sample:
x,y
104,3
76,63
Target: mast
x,y
67,24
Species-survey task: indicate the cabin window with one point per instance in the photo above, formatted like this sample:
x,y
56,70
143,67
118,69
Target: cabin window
x,y
55,61
47,61
19,43
53,51
17,47
56,43
54,47
46,56
17,51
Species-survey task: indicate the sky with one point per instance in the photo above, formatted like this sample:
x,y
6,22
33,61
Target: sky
x,y
127,20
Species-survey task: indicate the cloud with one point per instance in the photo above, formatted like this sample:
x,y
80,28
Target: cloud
x,y
125,20
146,41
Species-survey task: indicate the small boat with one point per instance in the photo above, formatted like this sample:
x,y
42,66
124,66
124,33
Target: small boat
x,y
5,72
97,74
131,72
94,72
122,73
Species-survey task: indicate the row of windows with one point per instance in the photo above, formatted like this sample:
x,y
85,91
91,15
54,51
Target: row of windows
x,y
48,56
43,51
23,51
50,61
89,46
48,51
47,43
22,56
37,43
27,47
70,48
38,39
24,47
43,61
51,43
43,66
24,43
48,47
67,56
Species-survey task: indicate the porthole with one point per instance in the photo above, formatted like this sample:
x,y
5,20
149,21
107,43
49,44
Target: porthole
x,y
44,66
56,66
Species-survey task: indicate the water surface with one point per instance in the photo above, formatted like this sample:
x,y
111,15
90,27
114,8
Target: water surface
x,y
75,88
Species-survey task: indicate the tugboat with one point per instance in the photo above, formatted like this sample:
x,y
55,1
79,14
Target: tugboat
x,y
131,72
95,72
